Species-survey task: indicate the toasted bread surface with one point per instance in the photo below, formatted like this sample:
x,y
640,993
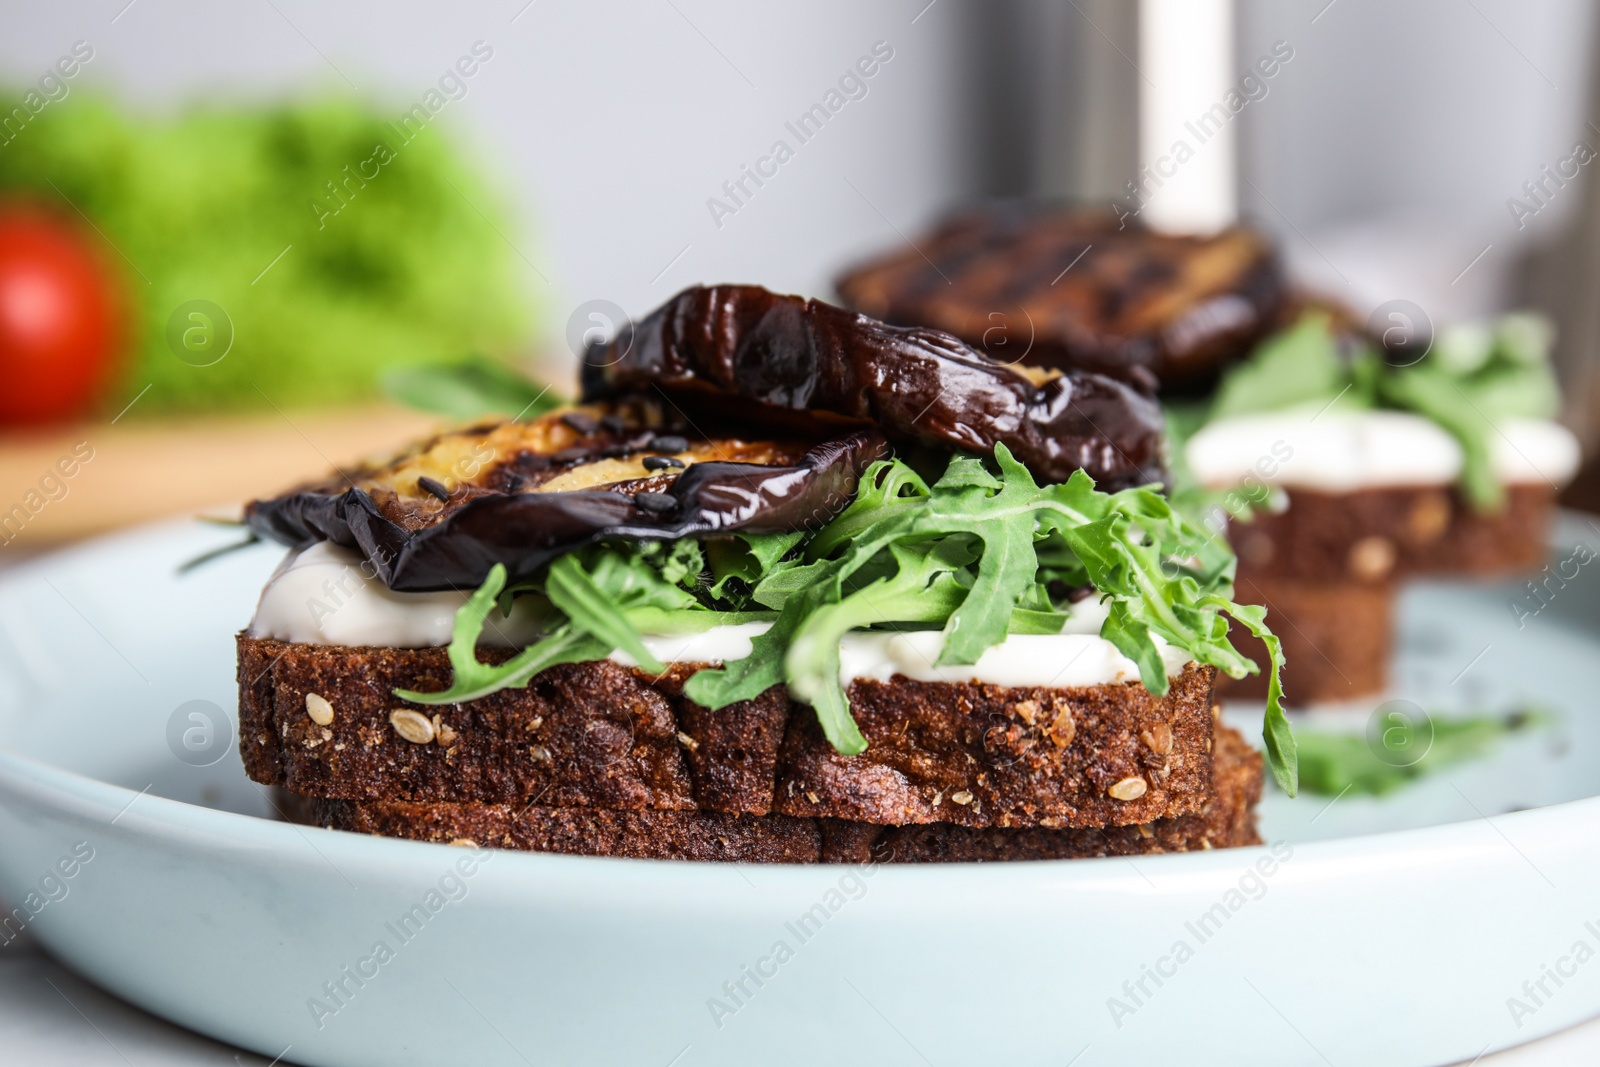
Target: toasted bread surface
x,y
601,735
1226,820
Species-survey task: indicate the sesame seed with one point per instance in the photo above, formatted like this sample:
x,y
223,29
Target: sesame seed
x,y
1128,789
613,424
1371,558
961,796
1158,738
656,503
669,443
656,463
411,725
319,709
688,742
580,422
463,842
433,488
1062,729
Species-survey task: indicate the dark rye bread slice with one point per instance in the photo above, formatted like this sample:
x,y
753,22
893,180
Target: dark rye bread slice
x,y
974,755
1226,820
1375,536
1336,638
600,735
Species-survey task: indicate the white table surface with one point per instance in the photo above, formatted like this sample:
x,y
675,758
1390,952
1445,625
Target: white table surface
x,y
50,1016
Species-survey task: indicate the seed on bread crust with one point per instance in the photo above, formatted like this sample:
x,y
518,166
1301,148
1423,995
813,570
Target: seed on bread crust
x,y
319,709
1158,738
1429,518
1062,728
1371,558
411,725
1128,789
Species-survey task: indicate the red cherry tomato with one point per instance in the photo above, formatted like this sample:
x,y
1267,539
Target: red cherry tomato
x,y
59,318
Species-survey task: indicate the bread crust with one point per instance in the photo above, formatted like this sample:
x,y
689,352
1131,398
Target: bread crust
x,y
1379,535
600,735
1337,637
1226,820
989,755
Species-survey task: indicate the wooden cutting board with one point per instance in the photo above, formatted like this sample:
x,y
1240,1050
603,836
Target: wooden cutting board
x,y
65,483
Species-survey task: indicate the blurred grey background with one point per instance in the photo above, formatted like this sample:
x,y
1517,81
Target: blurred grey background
x,y
1384,152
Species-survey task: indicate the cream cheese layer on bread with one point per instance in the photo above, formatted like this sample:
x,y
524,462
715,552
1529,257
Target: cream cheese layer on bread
x,y
1343,451
324,595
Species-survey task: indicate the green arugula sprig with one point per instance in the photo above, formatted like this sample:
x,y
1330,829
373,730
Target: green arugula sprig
x,y
594,602
982,552
1472,378
1334,763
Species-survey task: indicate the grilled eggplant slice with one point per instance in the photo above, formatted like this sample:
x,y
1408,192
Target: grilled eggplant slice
x,y
441,515
741,352
1081,289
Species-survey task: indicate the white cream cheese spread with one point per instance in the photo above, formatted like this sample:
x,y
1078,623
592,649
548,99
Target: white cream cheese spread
x,y
325,595
1342,451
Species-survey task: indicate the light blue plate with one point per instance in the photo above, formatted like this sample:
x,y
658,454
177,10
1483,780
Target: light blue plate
x,y
1391,931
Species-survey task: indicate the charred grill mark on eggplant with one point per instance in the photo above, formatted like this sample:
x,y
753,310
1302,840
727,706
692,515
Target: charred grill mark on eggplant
x,y
1180,307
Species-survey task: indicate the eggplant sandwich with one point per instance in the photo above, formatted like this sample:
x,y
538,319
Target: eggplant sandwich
x,y
1337,462
785,585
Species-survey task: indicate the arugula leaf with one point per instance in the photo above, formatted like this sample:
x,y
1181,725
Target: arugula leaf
x,y
921,590
1133,639
888,488
1297,365
472,679
576,593
977,553
747,678
1003,520
1428,392
1332,763
746,557
469,390
1283,753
